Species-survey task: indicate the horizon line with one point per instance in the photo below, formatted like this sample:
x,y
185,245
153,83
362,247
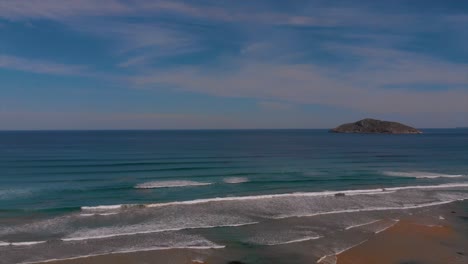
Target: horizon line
x,y
183,129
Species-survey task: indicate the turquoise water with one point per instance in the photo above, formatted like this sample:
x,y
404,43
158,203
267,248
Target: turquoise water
x,y
78,186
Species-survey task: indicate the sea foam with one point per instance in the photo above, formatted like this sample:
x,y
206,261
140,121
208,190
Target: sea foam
x,y
378,191
25,243
125,251
363,224
235,180
115,232
421,174
169,184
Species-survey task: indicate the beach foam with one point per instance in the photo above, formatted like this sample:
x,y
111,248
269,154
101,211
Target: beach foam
x,y
98,214
111,232
387,227
370,209
421,174
363,224
169,184
214,246
235,180
333,256
27,243
294,241
106,207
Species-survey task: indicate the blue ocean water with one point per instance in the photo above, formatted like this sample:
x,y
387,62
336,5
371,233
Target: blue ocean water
x,y
82,185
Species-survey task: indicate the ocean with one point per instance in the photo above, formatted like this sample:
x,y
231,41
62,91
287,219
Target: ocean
x,y
66,194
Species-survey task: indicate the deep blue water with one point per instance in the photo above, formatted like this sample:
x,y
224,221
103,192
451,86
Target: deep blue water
x,y
67,194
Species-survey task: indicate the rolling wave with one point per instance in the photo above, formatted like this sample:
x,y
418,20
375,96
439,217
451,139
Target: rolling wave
x,y
421,174
235,180
25,243
122,171
8,194
121,164
271,196
169,184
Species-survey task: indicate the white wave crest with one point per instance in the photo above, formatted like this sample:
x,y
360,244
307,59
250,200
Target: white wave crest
x,y
106,207
421,174
234,180
26,243
378,191
169,184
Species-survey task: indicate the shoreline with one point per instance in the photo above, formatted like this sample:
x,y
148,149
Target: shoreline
x,y
434,237
416,240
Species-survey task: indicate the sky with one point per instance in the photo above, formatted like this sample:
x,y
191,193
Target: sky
x,y
225,64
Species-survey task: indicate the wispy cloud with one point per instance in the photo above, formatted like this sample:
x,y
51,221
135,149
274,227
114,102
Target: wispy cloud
x,y
58,10
347,56
139,43
39,66
391,66
309,15
360,89
65,10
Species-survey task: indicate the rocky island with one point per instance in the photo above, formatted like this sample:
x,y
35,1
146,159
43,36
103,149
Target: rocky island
x,y
375,126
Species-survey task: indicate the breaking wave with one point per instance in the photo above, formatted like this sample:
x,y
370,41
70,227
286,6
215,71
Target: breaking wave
x,y
25,243
378,191
169,184
235,180
421,174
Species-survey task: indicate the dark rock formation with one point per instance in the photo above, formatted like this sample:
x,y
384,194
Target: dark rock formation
x,y
369,125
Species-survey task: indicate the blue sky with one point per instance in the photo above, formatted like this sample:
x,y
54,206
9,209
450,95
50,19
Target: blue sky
x,y
128,64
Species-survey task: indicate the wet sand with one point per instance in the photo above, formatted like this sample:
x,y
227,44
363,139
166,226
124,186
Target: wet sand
x,y
173,256
438,237
410,242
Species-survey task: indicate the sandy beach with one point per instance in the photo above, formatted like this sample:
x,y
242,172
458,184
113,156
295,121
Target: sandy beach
x,y
409,242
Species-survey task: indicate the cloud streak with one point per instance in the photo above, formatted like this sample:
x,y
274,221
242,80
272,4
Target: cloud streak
x,y
361,89
39,66
367,57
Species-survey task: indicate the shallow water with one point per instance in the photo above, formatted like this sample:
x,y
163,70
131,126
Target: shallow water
x,y
88,193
